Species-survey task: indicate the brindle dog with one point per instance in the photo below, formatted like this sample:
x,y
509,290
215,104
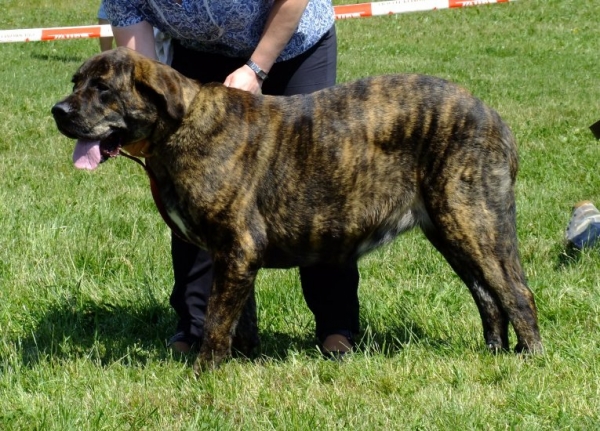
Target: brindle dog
x,y
263,181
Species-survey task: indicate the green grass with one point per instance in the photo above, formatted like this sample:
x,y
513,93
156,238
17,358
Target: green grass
x,y
85,270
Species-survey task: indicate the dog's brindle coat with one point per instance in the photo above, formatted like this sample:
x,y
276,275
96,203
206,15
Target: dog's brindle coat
x,y
263,181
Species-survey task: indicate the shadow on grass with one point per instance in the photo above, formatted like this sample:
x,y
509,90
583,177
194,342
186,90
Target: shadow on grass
x,y
136,334
133,334
568,255
103,332
279,346
394,339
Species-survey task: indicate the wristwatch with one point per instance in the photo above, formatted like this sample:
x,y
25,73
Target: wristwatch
x,y
256,69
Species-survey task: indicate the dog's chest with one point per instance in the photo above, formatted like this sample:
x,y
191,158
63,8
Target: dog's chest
x,y
167,200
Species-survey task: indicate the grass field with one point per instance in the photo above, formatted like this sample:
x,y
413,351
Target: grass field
x,y
85,270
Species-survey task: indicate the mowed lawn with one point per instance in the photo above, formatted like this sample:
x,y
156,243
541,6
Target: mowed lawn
x,y
85,271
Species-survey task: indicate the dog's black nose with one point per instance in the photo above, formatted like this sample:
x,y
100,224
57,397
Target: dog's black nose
x,y
61,109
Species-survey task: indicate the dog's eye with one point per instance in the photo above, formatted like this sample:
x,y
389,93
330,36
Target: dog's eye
x,y
98,85
101,87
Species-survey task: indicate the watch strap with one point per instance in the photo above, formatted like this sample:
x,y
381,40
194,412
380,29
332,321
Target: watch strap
x,y
256,69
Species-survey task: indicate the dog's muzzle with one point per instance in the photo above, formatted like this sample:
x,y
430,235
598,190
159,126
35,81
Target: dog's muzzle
x,y
89,151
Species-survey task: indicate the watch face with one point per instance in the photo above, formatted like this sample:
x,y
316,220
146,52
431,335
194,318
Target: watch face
x,y
252,65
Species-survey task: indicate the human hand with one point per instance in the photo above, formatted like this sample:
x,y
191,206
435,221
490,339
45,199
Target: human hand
x,y
244,78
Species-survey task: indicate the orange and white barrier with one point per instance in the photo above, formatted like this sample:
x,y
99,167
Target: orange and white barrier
x,y
341,12
56,33
401,6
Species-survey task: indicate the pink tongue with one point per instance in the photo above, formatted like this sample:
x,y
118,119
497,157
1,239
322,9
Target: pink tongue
x,y
87,154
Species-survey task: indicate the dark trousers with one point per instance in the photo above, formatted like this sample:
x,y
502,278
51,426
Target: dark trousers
x,y
331,292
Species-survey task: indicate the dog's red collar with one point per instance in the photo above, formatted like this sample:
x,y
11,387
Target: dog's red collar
x,y
156,196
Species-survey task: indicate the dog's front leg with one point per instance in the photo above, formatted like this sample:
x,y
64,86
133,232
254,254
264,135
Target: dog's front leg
x,y
233,283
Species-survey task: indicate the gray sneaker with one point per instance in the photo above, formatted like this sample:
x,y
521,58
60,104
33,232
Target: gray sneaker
x,y
584,227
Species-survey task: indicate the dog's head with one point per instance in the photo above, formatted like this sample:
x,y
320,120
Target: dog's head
x,y
120,99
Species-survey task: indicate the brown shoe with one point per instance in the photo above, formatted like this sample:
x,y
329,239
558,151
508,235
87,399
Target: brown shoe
x,y
336,346
182,343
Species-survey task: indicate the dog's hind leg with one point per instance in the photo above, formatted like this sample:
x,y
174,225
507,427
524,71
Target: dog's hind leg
x,y
478,239
497,284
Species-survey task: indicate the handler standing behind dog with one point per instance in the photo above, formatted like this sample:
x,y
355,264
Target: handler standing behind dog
x,y
279,47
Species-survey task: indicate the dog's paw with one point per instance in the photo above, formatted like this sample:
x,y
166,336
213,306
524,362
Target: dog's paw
x,y
204,363
211,355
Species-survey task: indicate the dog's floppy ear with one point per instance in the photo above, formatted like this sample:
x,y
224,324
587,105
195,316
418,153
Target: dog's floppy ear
x,y
160,83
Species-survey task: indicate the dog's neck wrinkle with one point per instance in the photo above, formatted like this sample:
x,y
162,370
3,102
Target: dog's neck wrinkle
x,y
204,99
189,92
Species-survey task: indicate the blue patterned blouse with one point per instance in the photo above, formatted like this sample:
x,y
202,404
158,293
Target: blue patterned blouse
x,y
228,27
